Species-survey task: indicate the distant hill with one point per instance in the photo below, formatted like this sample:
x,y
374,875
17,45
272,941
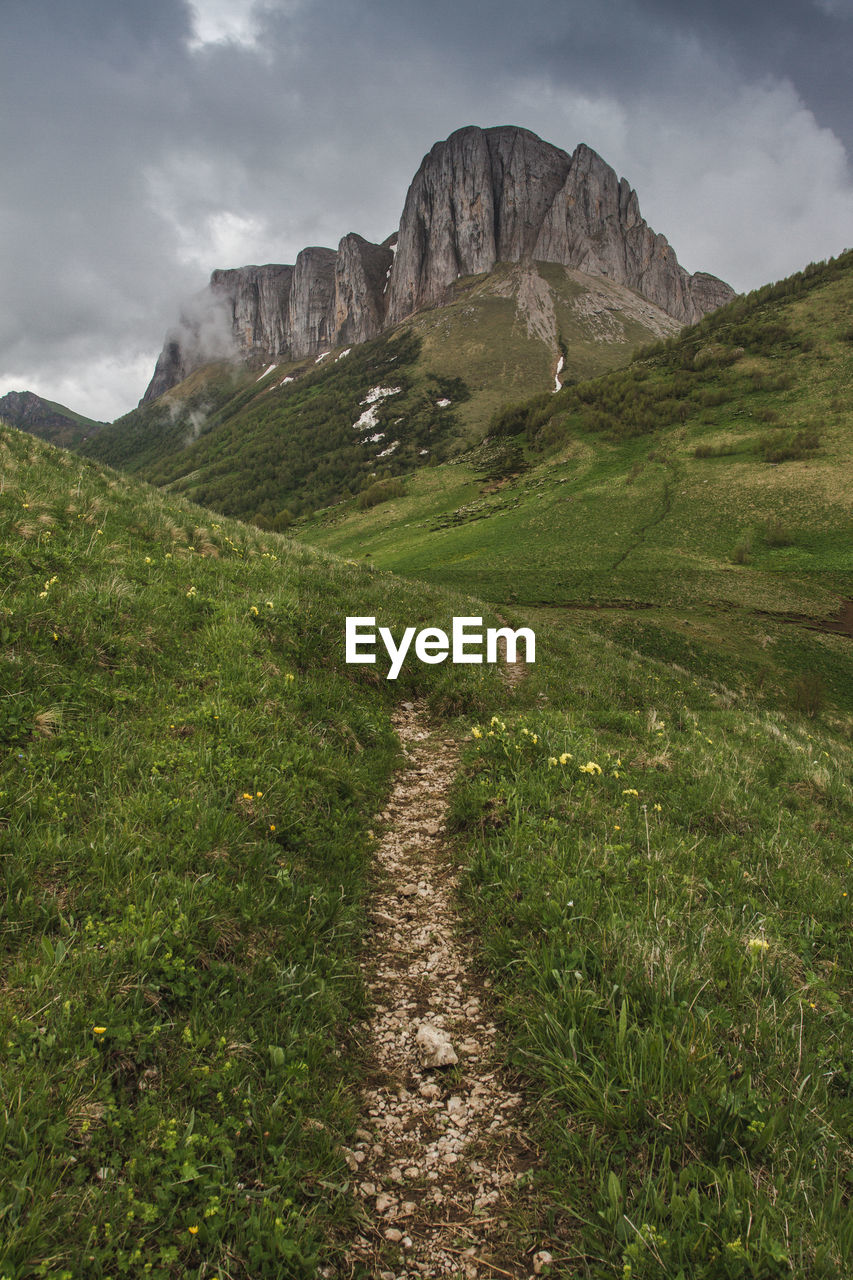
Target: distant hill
x,y
46,419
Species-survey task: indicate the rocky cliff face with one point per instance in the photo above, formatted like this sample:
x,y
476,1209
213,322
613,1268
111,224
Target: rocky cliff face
x,y
482,197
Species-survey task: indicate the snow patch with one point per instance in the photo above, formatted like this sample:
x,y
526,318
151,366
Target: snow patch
x,y
443,402
287,379
265,372
322,357
374,395
423,451
343,353
367,419
559,385
380,435
380,393
392,446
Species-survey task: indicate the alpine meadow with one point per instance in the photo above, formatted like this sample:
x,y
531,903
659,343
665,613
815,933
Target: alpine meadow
x,y
325,966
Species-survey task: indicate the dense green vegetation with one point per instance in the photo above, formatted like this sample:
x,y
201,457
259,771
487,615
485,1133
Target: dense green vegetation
x,y
268,451
660,875
187,780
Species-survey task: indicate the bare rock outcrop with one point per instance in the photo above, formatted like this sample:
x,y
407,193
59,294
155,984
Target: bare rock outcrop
x,y
501,195
481,197
362,270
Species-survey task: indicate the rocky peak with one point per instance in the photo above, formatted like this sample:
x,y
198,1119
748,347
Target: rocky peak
x,y
481,197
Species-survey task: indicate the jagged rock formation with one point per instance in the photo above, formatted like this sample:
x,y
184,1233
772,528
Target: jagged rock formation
x,y
482,197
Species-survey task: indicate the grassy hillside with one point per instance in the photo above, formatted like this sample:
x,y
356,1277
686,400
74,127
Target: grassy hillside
x,y
652,833
658,869
716,469
188,779
268,448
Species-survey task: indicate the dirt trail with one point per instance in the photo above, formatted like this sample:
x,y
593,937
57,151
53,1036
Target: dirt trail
x,y
440,1159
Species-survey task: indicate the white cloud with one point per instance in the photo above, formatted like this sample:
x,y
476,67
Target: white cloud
x,y
224,22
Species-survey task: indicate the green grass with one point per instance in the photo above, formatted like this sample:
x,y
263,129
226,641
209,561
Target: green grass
x,y
654,828
659,875
651,485
188,779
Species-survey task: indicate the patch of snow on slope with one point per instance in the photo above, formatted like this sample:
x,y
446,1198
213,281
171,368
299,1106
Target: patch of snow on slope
x,y
380,435
559,385
443,402
343,353
367,419
287,379
423,451
392,446
321,357
380,393
265,372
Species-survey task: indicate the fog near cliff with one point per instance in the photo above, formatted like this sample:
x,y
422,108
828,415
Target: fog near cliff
x,y
142,146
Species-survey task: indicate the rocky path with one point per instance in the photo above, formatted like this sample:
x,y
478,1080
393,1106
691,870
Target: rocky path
x,y
441,1162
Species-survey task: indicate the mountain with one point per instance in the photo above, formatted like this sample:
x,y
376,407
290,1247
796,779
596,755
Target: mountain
x,y
480,198
304,434
44,418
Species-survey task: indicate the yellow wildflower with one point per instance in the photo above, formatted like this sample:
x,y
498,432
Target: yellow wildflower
x,y
566,757
630,791
254,611
476,733
552,760
193,1231
757,946
590,767
99,1031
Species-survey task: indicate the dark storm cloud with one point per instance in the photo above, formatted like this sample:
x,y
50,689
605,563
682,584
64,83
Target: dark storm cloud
x,y
143,145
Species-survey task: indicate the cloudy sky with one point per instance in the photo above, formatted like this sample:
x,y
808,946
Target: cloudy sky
x,y
144,144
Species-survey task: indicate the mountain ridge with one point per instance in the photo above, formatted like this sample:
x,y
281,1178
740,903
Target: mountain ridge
x,y
47,419
480,197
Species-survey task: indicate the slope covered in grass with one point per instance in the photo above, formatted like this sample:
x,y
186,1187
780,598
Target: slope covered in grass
x,y
716,469
189,771
659,870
